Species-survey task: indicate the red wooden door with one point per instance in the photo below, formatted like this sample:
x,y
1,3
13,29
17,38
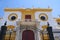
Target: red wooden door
x,y
27,16
28,35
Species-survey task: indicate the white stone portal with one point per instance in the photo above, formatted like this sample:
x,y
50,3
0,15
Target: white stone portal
x,y
20,31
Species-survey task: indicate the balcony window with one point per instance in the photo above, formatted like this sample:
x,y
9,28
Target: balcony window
x,y
27,18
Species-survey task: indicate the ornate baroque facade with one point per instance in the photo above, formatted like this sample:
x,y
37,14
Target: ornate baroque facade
x,y
30,23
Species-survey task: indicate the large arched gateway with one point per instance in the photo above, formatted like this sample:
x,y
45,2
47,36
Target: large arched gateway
x,y
28,35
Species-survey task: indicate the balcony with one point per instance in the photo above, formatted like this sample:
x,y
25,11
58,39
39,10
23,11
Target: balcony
x,y
28,22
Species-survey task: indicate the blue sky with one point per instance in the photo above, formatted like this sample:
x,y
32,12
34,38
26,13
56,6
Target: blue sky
x,y
55,5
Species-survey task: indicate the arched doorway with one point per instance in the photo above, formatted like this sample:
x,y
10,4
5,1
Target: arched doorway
x,y
28,35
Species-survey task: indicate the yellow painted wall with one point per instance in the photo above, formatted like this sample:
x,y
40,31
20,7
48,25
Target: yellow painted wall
x,y
58,20
13,36
28,13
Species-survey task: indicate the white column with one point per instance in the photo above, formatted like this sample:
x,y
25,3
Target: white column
x,y
39,37
17,33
